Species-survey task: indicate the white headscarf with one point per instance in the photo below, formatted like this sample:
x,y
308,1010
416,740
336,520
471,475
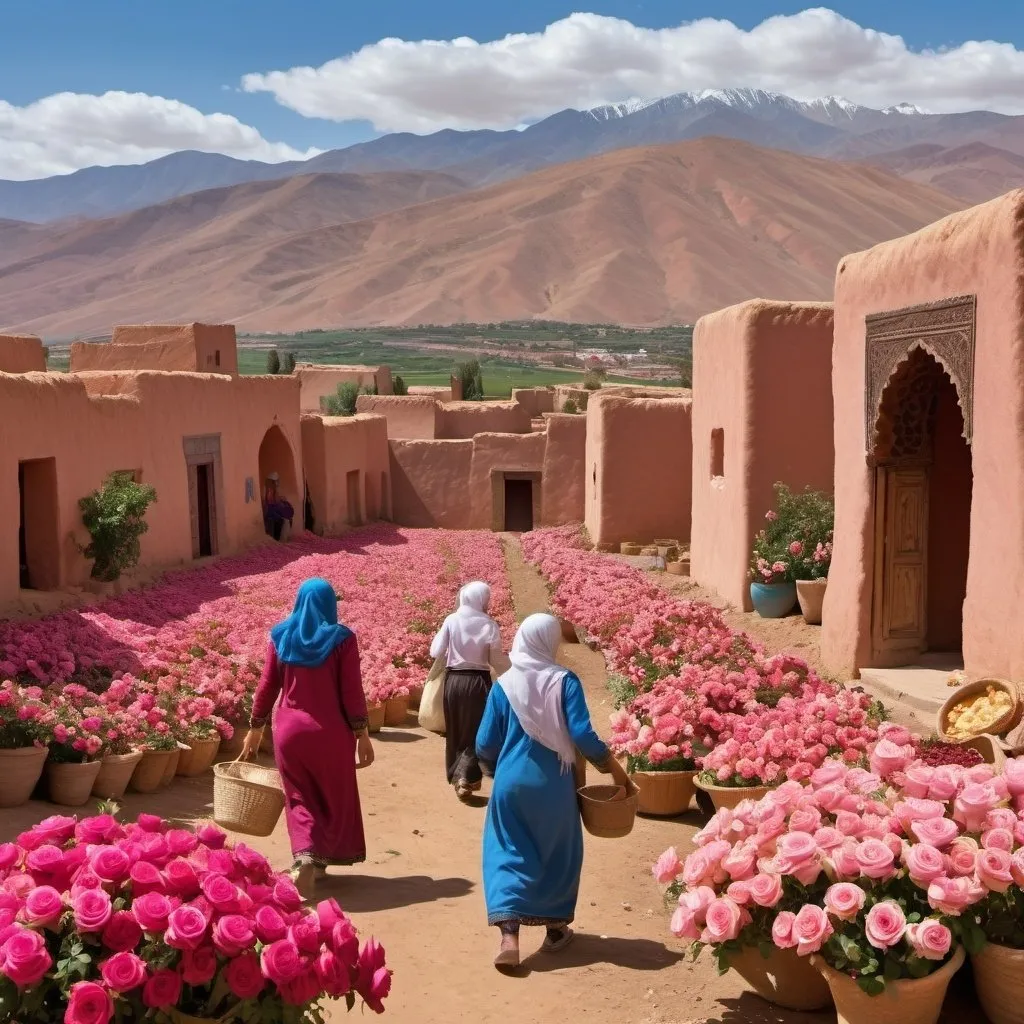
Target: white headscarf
x,y
469,632
533,686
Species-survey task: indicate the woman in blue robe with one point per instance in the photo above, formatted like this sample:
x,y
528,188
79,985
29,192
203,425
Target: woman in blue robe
x,y
535,721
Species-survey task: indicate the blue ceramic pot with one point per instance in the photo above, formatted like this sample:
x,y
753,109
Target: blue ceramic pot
x,y
773,600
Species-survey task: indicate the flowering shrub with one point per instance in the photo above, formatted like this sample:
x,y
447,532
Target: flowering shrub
x,y
100,921
879,872
796,543
21,709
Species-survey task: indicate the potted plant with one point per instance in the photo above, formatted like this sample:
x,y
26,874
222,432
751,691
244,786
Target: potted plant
x,y
812,515
115,517
22,752
200,731
74,736
122,735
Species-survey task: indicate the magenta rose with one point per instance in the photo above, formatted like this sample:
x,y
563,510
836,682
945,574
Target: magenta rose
x,y
302,989
162,990
844,900
270,925
329,914
234,934
722,922
245,976
252,862
181,842
186,927
151,910
281,962
145,877
345,942
151,823
212,837
45,860
123,972
24,958
930,940
305,933
92,910
88,1003
811,929
122,933
885,924
373,980
110,864
333,974
286,895
182,879
43,906
222,894
198,966
56,829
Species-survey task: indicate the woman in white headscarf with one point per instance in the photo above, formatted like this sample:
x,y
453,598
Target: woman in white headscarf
x,y
536,720
470,641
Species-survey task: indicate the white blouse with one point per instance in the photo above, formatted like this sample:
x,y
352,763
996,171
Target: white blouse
x,y
468,641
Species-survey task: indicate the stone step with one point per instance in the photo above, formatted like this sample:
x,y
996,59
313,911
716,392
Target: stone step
x,y
913,695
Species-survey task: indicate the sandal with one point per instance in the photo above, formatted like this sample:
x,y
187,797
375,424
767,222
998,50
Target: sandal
x,y
507,958
304,877
557,945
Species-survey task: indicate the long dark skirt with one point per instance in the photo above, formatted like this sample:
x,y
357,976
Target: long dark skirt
x,y
465,698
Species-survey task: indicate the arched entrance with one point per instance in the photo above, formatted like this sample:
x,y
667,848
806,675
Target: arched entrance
x,y
276,457
923,483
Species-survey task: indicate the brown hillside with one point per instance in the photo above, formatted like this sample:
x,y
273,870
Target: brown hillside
x,y
642,236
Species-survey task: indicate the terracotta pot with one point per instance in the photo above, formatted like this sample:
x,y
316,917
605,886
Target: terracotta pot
x,y
115,773
198,757
663,794
773,600
20,772
908,1001
730,796
232,748
70,785
999,982
680,568
783,978
415,693
396,711
376,717
811,596
171,768
149,772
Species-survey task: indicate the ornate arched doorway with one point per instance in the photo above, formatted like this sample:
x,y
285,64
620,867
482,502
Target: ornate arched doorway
x,y
918,445
276,457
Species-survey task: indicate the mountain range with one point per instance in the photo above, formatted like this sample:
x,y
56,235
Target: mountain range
x,y
952,151
641,236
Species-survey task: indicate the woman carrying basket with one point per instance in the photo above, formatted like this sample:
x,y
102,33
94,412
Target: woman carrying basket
x,y
536,720
320,732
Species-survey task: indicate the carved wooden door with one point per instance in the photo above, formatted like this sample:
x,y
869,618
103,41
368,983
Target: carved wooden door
x,y
900,624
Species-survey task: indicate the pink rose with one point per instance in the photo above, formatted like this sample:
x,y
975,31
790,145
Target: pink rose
x,y
198,966
845,865
924,864
811,929
962,854
973,804
844,900
270,925
930,939
24,958
937,832
667,867
1001,817
88,1003
182,879
740,863
245,977
123,972
332,974
281,962
739,893
234,934
698,869
92,910
43,906
722,922
945,782
222,894
110,864
186,927
1017,866
765,890
782,930
887,758
917,780
885,924
683,924
954,895
875,859
998,839
994,870
1013,773
807,819
162,990
122,933
151,910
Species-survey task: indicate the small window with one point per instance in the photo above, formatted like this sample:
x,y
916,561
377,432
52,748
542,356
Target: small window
x,y
717,452
216,358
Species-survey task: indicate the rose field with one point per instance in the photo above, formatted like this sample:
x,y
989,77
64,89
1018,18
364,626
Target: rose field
x,y
848,861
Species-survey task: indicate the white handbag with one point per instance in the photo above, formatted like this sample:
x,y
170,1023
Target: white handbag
x,y
431,713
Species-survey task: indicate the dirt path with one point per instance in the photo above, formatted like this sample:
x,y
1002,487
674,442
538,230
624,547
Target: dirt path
x,y
420,893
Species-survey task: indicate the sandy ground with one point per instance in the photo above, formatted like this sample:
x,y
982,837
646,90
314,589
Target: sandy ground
x,y
420,894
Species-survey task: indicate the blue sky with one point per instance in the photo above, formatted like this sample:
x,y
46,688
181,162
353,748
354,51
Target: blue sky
x,y
197,52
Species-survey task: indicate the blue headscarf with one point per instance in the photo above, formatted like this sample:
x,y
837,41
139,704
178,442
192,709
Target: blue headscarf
x,y
312,631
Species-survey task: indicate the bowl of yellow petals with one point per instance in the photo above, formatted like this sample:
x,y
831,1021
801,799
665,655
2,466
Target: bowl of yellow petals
x,y
989,706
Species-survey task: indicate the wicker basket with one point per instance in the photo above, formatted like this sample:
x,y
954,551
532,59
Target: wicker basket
x,y
608,812
247,798
990,749
1003,725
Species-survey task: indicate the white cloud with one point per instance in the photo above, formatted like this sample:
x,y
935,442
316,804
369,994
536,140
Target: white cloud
x,y
587,59
67,131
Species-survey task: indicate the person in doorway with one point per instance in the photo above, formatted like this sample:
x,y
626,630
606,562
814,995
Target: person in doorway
x,y
536,720
320,732
276,510
470,642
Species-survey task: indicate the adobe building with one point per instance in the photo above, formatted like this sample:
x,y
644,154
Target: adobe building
x,y
637,467
178,348
22,353
762,413
928,382
321,380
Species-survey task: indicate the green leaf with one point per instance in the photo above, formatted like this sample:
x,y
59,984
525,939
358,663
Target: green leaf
x,y
871,984
893,970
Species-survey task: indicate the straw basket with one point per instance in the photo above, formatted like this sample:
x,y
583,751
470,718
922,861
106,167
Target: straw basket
x,y
199,756
1004,724
990,749
608,812
247,798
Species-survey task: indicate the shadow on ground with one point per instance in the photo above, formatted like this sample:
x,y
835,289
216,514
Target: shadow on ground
x,y
365,894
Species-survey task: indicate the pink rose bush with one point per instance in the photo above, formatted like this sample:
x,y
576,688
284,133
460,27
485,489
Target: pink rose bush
x,y
881,876
796,542
178,661
101,920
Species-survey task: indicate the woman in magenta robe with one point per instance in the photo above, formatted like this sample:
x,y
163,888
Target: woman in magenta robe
x,y
320,731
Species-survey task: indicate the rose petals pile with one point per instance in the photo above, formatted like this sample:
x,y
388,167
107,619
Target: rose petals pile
x,y
101,919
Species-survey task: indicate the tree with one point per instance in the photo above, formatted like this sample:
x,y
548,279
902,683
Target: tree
x,y
115,516
472,380
570,406
288,363
273,361
343,401
399,387
591,380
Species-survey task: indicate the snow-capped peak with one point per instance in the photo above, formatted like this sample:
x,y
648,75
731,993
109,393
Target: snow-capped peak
x,y
908,109
611,111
